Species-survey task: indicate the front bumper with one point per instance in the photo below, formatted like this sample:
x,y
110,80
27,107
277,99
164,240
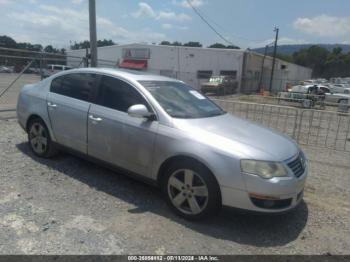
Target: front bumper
x,y
268,196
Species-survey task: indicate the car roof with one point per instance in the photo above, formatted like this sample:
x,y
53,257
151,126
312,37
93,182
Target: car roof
x,y
124,73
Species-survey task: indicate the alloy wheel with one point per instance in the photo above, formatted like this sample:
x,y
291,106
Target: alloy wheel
x,y
188,192
38,138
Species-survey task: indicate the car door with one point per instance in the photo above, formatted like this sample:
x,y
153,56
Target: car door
x,y
113,135
68,104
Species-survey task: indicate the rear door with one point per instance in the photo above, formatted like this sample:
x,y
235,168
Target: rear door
x,y
113,135
68,104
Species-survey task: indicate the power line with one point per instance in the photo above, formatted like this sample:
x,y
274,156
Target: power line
x,y
205,21
202,14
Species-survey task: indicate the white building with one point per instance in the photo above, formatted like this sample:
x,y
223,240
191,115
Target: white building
x,y
195,65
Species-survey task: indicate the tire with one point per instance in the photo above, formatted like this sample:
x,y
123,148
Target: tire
x,y
39,139
197,198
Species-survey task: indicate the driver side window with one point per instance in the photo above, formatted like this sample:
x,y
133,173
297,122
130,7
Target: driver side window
x,y
117,94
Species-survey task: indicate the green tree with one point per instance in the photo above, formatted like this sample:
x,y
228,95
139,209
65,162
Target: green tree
x,y
193,44
86,44
165,43
314,57
232,47
176,43
6,41
217,45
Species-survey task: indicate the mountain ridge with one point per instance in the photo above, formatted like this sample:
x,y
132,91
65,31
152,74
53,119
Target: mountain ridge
x,y
290,49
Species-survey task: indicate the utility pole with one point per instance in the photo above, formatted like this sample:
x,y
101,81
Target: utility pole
x,y
262,68
93,37
274,58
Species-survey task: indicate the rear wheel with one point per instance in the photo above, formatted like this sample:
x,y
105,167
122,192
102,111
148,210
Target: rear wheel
x,y
191,191
39,139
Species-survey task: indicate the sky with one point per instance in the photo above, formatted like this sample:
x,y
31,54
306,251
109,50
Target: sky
x,y
246,23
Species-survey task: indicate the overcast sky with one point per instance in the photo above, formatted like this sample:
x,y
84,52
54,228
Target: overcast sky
x,y
246,23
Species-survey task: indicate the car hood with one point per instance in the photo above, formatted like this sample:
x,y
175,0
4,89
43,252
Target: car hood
x,y
239,136
213,84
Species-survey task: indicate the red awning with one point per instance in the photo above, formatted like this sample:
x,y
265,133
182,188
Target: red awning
x,y
134,64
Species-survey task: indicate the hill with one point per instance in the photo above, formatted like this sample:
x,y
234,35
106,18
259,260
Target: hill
x,y
290,49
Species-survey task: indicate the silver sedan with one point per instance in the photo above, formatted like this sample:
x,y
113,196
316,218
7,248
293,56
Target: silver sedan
x,y
164,132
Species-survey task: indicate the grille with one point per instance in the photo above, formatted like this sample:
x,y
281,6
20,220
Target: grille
x,y
297,166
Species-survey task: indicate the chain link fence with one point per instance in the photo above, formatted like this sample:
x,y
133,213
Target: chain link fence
x,y
319,128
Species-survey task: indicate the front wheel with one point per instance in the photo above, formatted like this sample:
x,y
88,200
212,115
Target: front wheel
x,y
191,191
39,139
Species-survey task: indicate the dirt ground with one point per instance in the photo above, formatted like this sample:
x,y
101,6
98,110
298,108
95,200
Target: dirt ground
x,y
66,205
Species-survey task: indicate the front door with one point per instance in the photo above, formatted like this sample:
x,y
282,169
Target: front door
x,y
114,136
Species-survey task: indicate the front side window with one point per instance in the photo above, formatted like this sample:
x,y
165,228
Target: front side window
x,y
79,86
118,95
180,100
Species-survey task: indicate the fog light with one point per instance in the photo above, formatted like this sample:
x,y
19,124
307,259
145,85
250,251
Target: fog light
x,y
269,202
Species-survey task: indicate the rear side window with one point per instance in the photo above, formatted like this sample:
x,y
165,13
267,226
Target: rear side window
x,y
79,86
118,95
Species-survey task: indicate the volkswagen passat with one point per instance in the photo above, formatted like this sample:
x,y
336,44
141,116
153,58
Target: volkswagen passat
x,y
162,131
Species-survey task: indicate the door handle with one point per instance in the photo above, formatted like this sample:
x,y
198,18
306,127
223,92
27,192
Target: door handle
x,y
51,104
98,119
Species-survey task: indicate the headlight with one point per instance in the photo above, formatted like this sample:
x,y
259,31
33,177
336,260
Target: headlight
x,y
263,169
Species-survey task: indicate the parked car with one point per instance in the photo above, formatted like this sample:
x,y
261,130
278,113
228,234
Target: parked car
x,y
339,88
221,85
168,134
337,98
5,69
53,69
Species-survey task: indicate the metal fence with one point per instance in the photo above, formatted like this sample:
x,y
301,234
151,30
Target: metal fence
x,y
19,67
307,126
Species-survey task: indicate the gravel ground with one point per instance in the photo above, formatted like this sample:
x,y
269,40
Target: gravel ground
x,y
69,206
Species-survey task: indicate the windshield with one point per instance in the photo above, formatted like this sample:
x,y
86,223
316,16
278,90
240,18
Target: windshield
x,y
181,101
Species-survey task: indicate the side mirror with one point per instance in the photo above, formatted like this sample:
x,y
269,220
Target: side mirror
x,y
140,111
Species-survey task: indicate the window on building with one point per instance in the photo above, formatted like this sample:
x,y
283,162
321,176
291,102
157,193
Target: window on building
x,y
257,75
204,74
79,86
117,94
229,73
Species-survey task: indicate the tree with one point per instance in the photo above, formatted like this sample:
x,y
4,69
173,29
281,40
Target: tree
x,y
105,42
176,43
86,44
49,49
165,43
314,57
193,44
217,45
6,41
284,57
232,47
337,51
